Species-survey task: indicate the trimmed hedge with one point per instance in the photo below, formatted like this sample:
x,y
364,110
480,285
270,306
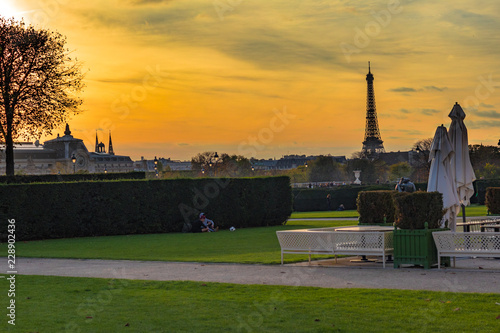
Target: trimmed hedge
x,y
80,209
374,206
480,187
414,209
493,200
18,179
306,200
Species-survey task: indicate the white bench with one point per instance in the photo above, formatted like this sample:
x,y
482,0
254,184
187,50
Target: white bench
x,y
466,244
334,241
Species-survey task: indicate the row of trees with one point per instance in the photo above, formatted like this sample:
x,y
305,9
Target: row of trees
x,y
485,160
321,169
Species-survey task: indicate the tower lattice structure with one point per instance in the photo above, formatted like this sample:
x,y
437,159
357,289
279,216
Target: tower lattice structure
x,y
373,144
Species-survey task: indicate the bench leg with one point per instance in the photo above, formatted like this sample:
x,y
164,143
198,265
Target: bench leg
x,y
281,257
439,261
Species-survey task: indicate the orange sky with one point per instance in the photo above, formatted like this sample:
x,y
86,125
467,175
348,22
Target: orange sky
x,y
262,78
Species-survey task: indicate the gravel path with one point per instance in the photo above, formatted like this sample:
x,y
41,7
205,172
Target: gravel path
x,y
471,275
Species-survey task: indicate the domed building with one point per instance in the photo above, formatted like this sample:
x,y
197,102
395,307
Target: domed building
x,y
65,154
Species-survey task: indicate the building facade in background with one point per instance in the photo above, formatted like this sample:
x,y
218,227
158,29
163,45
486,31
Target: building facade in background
x,y
65,154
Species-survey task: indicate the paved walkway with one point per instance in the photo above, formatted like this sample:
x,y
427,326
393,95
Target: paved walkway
x,y
459,218
471,275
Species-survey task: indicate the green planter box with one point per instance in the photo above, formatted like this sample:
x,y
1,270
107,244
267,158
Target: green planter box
x,y
415,247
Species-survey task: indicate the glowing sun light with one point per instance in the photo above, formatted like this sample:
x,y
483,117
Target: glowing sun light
x,y
7,10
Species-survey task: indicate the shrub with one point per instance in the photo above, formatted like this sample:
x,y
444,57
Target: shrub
x,y
374,206
23,179
414,209
480,187
81,209
493,200
306,200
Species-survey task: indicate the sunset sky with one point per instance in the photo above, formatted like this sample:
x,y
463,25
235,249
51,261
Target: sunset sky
x,y
266,78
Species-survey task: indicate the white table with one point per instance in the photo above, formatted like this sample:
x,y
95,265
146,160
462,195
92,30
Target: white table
x,y
366,228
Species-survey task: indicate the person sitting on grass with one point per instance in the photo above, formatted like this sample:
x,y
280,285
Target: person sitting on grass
x,y
207,225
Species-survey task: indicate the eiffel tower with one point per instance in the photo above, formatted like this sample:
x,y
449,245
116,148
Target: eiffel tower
x,y
373,144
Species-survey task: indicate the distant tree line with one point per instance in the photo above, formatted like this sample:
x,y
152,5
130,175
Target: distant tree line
x,y
485,161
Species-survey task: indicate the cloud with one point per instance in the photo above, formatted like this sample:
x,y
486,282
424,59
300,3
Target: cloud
x,y
403,89
276,51
468,18
429,112
183,144
435,88
483,124
244,35
130,80
426,88
148,2
488,114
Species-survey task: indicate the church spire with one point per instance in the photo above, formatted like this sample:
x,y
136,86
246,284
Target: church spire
x,y
96,143
110,147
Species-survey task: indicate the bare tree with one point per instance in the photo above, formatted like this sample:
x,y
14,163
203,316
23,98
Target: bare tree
x,y
38,80
224,166
421,164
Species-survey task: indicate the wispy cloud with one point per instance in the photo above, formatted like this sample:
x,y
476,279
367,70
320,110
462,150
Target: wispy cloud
x,y
403,89
483,124
429,112
426,88
488,114
148,2
435,88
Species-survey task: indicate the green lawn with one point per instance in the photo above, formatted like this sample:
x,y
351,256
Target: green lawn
x,y
249,245
473,210
61,304
324,214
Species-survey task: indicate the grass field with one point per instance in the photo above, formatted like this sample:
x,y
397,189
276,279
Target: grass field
x,y
60,304
249,246
325,214
473,210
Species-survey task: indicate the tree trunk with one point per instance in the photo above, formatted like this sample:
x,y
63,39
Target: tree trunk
x,y
9,153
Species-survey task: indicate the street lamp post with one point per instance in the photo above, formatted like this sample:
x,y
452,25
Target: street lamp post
x,y
73,159
156,167
216,157
423,163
